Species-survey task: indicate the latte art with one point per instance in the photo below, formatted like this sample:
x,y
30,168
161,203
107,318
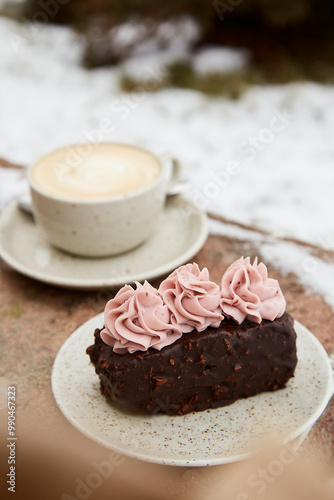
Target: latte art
x,y
94,171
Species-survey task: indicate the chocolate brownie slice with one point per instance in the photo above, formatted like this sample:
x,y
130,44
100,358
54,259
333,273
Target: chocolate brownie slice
x,y
200,370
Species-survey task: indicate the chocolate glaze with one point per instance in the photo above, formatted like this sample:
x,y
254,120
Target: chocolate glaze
x,y
202,370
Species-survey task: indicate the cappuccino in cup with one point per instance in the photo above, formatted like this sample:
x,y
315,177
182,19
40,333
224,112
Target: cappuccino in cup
x,y
101,199
96,171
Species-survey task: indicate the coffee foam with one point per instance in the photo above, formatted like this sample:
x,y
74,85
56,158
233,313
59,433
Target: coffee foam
x,y
95,171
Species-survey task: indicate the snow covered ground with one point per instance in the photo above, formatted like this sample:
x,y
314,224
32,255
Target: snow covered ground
x,y
316,275
266,159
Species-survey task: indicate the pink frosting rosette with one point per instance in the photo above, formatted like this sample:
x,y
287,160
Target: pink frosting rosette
x,y
247,292
192,298
136,320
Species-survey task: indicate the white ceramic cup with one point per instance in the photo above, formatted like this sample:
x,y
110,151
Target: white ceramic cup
x,y
103,226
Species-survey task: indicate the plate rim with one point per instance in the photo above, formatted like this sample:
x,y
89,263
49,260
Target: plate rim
x,y
96,284
193,462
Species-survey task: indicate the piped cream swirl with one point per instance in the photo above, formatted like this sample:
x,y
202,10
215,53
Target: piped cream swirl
x,y
248,293
136,320
192,298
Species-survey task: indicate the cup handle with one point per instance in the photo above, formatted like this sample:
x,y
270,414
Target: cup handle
x,y
174,184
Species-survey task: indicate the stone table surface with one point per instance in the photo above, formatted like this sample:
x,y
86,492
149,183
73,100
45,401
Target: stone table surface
x,y
55,458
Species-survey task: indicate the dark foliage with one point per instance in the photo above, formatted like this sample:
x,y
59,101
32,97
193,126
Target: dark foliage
x,y
288,40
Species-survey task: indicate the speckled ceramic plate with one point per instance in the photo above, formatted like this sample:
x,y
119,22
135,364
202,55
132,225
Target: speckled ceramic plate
x,y
181,233
204,438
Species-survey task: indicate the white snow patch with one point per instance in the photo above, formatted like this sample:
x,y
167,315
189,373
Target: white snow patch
x,y
313,273
13,184
220,60
170,42
265,159
224,229
316,275
143,67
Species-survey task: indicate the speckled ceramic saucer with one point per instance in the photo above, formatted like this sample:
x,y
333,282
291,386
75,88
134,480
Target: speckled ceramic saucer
x,y
203,438
181,233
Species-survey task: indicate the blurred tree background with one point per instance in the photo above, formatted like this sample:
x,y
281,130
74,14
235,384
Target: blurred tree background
x,y
288,40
